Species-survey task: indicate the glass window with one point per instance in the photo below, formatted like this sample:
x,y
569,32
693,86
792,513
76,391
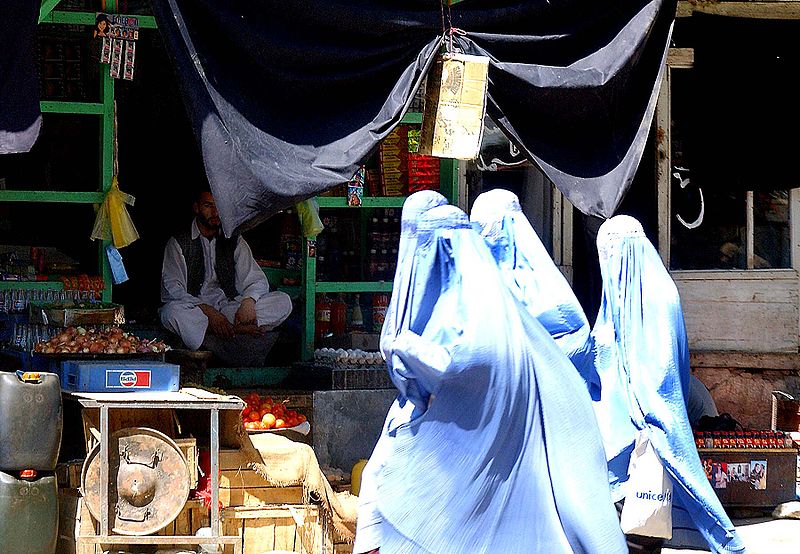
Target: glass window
x,y
712,225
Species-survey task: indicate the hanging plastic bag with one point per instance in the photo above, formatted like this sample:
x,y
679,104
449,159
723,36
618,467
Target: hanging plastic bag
x,y
118,273
113,222
308,212
648,499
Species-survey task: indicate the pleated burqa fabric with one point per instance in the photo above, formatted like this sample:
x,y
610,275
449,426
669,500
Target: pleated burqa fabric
x,y
506,458
533,278
642,358
368,532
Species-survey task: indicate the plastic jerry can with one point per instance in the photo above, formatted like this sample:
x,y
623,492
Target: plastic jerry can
x,y
355,476
31,420
28,514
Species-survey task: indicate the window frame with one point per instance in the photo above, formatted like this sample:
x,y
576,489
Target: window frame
x,y
683,59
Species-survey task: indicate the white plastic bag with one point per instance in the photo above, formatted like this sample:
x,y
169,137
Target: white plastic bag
x,y
648,497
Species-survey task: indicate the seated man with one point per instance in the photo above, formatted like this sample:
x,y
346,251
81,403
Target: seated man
x,y
214,293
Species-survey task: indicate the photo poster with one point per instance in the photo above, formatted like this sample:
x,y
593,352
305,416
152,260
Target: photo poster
x,y
355,187
739,473
118,34
758,474
719,475
752,473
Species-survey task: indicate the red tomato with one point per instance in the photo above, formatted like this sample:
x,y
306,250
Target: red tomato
x,y
246,411
301,418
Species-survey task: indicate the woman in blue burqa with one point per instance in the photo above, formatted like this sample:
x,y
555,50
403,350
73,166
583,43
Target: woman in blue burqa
x,y
482,468
368,531
642,358
533,278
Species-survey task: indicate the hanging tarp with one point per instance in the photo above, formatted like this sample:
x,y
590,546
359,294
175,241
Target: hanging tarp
x,y
20,119
288,98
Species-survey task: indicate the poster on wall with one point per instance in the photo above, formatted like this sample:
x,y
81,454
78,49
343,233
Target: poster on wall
x,y
758,474
118,34
739,473
719,475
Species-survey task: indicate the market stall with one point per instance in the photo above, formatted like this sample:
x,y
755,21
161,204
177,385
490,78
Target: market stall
x,y
262,459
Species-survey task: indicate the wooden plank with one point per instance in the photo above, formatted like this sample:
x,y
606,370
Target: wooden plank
x,y
188,448
663,121
285,534
86,530
241,478
260,496
751,292
232,527
786,361
680,58
183,524
741,314
68,520
755,10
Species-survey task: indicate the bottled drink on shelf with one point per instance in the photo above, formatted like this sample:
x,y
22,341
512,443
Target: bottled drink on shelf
x,y
383,266
323,319
338,316
380,301
372,265
357,317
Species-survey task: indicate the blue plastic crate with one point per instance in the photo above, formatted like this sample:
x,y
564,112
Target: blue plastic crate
x,y
123,376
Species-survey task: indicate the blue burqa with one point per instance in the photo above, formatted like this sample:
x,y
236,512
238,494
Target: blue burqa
x,y
533,278
493,465
368,531
642,358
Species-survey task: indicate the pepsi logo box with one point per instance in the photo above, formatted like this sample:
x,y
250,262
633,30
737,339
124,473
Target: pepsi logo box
x,y
123,376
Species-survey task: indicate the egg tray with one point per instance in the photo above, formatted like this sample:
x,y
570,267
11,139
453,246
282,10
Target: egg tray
x,y
342,366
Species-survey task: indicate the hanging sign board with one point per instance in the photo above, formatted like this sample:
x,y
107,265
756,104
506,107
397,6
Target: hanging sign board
x,y
455,103
118,33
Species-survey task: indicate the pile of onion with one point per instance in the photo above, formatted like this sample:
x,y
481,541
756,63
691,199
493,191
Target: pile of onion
x,y
79,340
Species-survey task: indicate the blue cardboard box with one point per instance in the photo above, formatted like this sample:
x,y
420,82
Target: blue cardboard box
x,y
122,376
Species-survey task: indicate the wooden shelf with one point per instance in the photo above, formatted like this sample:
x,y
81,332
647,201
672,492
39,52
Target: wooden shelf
x,y
366,202
31,285
354,286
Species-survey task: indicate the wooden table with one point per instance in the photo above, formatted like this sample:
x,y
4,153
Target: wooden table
x,y
185,399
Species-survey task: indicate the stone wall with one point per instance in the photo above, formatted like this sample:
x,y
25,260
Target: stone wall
x,y
742,383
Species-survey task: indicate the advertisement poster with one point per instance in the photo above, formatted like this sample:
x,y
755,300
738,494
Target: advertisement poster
x,y
758,474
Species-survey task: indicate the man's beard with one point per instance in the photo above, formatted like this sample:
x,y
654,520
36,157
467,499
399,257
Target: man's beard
x,y
207,224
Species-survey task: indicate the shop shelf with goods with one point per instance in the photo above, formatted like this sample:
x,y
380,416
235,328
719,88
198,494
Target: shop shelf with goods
x,y
351,263
63,59
66,56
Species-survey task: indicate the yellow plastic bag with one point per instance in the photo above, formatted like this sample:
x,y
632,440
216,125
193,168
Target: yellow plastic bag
x,y
308,212
113,222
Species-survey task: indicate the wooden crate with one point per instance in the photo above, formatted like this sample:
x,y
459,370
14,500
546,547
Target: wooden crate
x,y
75,524
777,487
244,487
160,419
289,527
68,474
240,486
193,516
188,448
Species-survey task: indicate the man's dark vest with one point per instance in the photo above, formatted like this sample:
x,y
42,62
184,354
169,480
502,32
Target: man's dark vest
x,y
225,266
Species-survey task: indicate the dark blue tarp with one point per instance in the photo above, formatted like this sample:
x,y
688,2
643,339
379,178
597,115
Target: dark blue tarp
x,y
288,98
20,119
